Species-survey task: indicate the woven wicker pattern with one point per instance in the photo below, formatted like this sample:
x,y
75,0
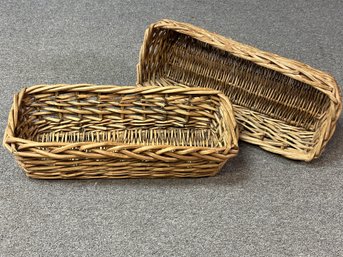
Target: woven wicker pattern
x,y
91,131
282,105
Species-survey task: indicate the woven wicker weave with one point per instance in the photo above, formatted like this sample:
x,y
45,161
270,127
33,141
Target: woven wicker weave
x,y
90,131
282,105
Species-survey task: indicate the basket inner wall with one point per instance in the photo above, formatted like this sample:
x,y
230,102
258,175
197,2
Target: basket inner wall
x,y
160,119
180,58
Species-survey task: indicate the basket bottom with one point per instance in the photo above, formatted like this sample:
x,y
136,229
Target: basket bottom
x,y
170,136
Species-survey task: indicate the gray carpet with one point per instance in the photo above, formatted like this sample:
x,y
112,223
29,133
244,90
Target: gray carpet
x,y
260,205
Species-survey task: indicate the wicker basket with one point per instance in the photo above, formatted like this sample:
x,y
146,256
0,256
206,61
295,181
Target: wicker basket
x,y
90,131
282,105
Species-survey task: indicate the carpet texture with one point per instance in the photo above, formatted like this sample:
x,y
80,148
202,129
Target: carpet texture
x,y
260,205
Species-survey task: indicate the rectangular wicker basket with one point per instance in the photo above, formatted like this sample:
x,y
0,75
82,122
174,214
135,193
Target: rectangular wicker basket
x,y
92,131
282,105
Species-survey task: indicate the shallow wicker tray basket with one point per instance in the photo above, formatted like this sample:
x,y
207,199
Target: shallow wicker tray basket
x,y
282,105
92,131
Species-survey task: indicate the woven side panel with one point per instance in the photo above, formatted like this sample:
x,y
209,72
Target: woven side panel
x,y
111,168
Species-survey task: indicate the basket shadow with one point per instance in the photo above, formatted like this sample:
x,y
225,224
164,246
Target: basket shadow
x,y
89,67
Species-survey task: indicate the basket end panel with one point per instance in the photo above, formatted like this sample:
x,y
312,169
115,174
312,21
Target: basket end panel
x,y
327,128
276,136
227,125
153,52
13,121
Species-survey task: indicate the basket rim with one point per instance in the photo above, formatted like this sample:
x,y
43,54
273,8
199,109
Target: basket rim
x,y
95,88
9,137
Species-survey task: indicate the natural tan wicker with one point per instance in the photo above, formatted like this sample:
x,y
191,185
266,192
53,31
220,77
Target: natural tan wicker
x,y
92,131
282,105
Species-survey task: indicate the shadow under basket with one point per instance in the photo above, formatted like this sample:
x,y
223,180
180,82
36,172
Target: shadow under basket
x,y
284,106
93,131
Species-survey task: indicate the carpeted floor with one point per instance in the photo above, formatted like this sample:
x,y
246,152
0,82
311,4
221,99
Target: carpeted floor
x,y
260,205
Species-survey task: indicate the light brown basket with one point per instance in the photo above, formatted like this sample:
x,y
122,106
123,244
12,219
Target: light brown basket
x,y
92,131
282,105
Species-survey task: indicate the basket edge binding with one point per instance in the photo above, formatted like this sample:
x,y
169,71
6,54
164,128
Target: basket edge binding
x,y
320,80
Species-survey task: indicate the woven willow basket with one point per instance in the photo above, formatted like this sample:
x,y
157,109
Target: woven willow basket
x,y
282,105
92,131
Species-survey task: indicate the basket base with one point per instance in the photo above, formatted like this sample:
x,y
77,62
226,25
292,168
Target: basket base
x,y
157,136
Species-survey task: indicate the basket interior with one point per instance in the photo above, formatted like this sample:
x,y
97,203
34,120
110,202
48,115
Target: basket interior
x,y
179,58
149,119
